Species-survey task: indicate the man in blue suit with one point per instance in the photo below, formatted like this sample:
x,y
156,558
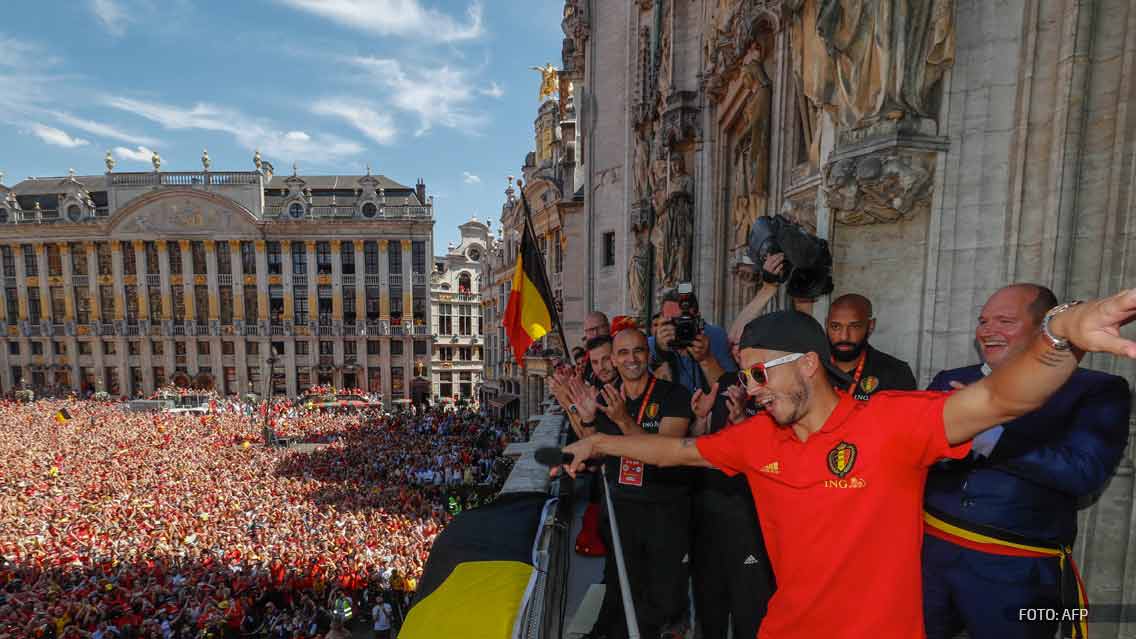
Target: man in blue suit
x,y
1001,523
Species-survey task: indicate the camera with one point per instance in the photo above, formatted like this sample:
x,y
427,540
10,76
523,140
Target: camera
x,y
689,325
808,260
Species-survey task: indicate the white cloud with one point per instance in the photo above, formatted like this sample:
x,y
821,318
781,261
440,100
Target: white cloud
x,y
111,15
250,133
22,55
494,91
141,154
470,178
56,137
104,130
438,96
395,18
371,123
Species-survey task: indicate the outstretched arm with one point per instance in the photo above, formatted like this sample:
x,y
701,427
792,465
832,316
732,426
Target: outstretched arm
x,y
1025,382
649,449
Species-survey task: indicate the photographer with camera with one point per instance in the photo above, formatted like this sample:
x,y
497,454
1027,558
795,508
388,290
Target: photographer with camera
x,y
698,352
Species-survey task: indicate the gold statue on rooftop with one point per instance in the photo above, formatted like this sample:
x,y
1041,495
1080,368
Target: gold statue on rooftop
x,y
549,80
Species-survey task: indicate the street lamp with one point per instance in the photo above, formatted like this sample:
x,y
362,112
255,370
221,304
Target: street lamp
x,y
269,436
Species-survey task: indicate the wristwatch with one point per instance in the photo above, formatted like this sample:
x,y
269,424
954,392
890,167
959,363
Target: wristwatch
x,y
1057,343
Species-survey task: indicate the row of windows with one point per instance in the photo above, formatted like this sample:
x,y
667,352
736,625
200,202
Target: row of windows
x,y
198,261
228,347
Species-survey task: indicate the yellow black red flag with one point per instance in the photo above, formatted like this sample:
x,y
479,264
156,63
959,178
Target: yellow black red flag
x,y
62,416
530,312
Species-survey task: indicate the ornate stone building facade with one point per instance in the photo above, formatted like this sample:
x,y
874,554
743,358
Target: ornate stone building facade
x,y
238,281
944,148
457,311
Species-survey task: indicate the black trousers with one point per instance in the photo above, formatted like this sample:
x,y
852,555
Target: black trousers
x,y
656,539
729,566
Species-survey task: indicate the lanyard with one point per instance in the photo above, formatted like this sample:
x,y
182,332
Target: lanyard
x,y
646,399
859,371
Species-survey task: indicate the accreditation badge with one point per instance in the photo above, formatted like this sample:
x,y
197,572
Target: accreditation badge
x,y
630,472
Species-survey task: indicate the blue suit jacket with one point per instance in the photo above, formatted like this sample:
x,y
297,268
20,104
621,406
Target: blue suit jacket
x,y
1044,462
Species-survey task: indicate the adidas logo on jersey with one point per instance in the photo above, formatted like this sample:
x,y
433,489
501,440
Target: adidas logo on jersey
x,y
773,468
750,560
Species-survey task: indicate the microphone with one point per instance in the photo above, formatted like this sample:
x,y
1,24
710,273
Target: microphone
x,y
552,456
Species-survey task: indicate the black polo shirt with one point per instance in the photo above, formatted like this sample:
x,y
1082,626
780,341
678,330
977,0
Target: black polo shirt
x,y
659,484
881,372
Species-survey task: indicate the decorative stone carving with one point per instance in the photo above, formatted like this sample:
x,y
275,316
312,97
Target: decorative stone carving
x,y
577,29
673,233
750,180
880,187
872,60
735,26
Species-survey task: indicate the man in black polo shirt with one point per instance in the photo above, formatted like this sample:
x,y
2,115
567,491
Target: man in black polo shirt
x,y
652,504
849,325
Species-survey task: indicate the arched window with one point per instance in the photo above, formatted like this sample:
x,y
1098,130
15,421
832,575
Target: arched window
x,y
296,210
370,210
464,283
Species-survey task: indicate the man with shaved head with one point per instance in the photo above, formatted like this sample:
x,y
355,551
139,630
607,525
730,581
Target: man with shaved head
x,y
849,324
997,518
652,503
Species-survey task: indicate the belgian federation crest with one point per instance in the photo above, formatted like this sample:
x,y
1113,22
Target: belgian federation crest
x,y
652,410
841,459
869,384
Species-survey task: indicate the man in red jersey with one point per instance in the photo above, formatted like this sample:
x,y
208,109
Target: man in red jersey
x,y
840,482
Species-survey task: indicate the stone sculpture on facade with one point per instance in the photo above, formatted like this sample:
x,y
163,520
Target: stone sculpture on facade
x,y
751,159
881,187
673,233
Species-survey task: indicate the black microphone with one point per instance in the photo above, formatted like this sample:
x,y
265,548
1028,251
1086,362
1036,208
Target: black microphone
x,y
552,456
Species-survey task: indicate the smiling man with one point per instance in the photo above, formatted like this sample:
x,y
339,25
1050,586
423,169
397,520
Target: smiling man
x,y
840,481
1020,486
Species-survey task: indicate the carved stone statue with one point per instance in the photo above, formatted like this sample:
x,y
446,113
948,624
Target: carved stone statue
x,y
673,232
887,55
639,273
812,70
751,160
879,188
642,168
549,83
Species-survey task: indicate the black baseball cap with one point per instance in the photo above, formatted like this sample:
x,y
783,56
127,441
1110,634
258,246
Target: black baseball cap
x,y
792,332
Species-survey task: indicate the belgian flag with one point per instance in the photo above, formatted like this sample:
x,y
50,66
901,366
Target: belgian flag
x,y
530,313
62,416
480,573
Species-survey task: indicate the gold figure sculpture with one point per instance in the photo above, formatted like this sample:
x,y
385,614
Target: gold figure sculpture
x,y
549,80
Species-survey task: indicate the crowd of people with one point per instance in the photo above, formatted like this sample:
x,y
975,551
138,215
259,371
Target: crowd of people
x,y
810,460
119,524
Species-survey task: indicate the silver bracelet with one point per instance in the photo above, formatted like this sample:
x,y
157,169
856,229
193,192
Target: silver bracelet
x,y
1057,343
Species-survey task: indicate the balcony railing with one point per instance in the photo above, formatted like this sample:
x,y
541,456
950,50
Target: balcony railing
x,y
348,280
179,330
372,280
133,330
421,330
223,178
299,279
350,329
324,330
466,297
420,279
395,279
224,279
250,330
153,280
397,330
376,328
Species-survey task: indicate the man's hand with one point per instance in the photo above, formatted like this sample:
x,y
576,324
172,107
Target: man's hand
x,y
702,403
772,267
616,409
665,335
584,399
1094,326
736,399
581,452
699,349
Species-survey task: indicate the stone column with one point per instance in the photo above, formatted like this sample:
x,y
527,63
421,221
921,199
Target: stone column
x,y
313,298
143,287
211,279
187,283
286,279
239,362
120,341
361,312
384,282
289,359
44,294
22,303
165,281
261,283
69,312
96,314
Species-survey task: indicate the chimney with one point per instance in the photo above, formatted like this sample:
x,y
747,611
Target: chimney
x,y
420,190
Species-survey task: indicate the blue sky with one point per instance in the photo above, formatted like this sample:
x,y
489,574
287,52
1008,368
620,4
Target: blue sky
x,y
438,89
